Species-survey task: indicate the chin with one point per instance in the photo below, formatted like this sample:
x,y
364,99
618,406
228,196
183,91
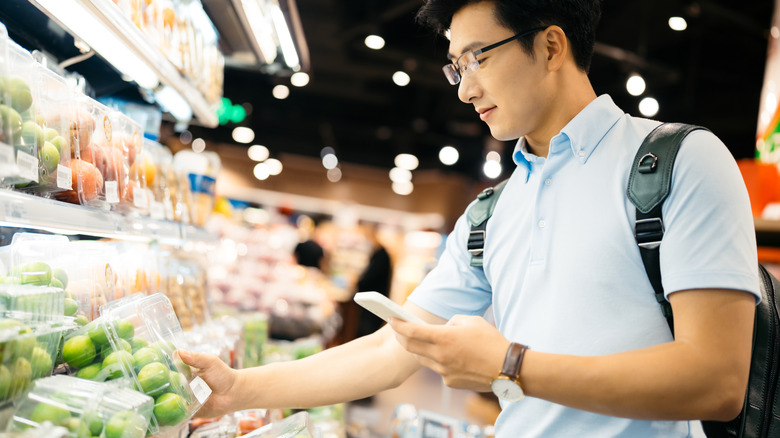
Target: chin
x,y
502,135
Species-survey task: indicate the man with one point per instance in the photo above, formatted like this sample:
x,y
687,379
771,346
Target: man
x,y
561,266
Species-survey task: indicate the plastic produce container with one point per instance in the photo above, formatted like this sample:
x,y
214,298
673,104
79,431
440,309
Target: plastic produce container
x,y
201,170
157,160
158,370
27,352
89,266
53,116
295,426
85,408
127,142
18,112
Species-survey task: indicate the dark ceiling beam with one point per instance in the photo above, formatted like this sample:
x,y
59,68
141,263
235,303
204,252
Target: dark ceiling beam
x,y
385,16
627,57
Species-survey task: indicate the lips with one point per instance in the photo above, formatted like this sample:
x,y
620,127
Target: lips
x,y
484,113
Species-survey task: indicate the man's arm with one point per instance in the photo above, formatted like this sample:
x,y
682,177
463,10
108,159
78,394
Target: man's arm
x,y
350,371
702,374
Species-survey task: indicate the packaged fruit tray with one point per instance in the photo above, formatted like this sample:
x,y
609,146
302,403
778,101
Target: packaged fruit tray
x,y
27,352
28,303
84,408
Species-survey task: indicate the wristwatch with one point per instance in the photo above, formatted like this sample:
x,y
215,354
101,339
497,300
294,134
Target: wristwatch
x,y
507,385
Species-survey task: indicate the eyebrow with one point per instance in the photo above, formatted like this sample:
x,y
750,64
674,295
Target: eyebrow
x,y
471,47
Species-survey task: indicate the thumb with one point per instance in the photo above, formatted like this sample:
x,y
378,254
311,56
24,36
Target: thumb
x,y
193,359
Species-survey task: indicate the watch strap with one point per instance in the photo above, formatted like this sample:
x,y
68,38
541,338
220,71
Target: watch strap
x,y
513,361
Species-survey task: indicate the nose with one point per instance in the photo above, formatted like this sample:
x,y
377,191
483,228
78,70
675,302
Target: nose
x,y
468,89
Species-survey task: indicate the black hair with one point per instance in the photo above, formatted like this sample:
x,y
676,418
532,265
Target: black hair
x,y
577,18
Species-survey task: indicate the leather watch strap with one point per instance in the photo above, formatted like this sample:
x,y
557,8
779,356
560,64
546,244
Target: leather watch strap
x,y
513,360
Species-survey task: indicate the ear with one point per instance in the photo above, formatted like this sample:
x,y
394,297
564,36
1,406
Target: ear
x,y
556,47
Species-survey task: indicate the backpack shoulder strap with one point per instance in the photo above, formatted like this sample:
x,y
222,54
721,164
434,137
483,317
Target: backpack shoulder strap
x,y
478,216
649,183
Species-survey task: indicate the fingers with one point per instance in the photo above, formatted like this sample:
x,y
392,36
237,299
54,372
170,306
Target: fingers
x,y
421,332
197,360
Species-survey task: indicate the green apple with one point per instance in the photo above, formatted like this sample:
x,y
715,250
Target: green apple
x,y
170,409
90,372
117,362
79,351
38,273
71,306
126,424
145,356
49,156
57,415
154,379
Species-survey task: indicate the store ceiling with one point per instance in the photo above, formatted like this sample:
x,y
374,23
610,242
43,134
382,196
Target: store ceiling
x,y
710,74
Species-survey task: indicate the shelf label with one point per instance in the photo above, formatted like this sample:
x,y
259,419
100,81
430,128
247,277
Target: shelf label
x,y
157,210
200,389
28,166
16,211
112,192
140,199
64,177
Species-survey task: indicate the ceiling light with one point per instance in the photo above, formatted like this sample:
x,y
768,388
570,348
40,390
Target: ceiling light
x,y
678,23
375,42
264,40
274,166
401,79
329,161
492,169
299,79
198,145
258,152
83,23
406,161
493,156
403,188
281,92
242,134
327,150
400,175
635,85
261,171
289,53
334,175
448,155
648,107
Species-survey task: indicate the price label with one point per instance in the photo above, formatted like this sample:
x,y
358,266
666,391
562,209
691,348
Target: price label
x,y
28,166
200,389
64,177
140,199
157,210
112,192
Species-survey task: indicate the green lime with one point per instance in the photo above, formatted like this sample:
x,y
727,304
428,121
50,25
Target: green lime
x,y
21,376
41,362
117,363
124,329
5,381
71,306
32,134
81,320
77,428
49,156
49,133
97,333
56,283
11,123
35,273
145,356
138,343
78,351
57,415
154,379
19,92
90,372
170,409
94,422
126,424
60,275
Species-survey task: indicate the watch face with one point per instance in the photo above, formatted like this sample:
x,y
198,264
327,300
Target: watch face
x,y
506,389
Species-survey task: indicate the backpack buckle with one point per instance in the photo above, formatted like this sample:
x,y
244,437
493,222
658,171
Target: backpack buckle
x,y
476,244
647,163
648,232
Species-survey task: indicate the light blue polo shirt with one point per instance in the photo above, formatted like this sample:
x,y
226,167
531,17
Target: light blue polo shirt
x,y
563,271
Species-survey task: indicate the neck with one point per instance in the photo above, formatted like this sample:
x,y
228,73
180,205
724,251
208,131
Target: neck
x,y
571,96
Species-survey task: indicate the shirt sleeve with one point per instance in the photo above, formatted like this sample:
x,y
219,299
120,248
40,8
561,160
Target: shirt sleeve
x,y
454,286
710,239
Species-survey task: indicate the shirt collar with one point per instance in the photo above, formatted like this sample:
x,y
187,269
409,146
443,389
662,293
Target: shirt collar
x,y
582,134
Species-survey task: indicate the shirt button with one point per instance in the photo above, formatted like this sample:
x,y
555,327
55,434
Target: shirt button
x,y
547,182
542,223
582,153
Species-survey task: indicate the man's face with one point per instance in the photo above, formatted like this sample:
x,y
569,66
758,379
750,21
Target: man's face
x,y
507,89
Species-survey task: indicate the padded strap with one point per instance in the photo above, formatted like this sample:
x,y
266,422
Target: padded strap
x,y
478,215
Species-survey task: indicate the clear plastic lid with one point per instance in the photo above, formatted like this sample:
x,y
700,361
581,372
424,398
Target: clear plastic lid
x,y
127,141
294,426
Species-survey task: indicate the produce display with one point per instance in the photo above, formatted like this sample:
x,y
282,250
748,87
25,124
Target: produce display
x,y
27,352
86,409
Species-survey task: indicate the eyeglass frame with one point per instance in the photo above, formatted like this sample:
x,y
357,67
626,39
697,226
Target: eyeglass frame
x,y
453,69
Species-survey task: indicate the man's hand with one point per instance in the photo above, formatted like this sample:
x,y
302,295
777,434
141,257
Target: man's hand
x,y
468,351
220,378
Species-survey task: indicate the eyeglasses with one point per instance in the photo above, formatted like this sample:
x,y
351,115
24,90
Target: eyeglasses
x,y
467,63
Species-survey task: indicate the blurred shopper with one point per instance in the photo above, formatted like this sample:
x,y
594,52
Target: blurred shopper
x,y
562,270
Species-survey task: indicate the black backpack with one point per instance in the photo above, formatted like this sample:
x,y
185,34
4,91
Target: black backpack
x,y
648,186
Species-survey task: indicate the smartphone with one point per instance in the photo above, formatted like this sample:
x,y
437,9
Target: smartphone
x,y
384,307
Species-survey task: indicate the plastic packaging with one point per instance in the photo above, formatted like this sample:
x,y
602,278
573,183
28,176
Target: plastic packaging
x,y
18,112
27,352
127,145
157,369
85,408
294,426
157,161
201,171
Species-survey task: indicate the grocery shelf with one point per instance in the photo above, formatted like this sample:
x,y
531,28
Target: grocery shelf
x,y
28,211
106,12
